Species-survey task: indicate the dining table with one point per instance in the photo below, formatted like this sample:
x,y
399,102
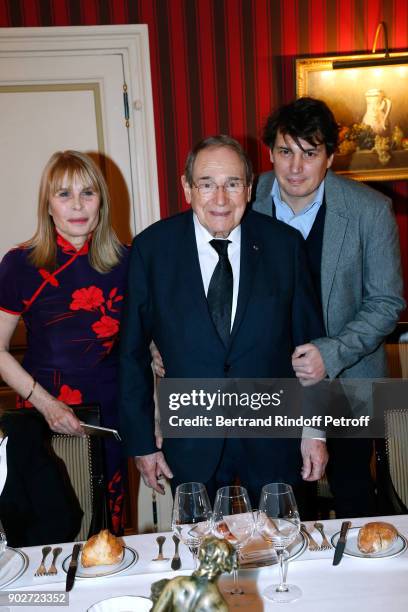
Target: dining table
x,y
357,584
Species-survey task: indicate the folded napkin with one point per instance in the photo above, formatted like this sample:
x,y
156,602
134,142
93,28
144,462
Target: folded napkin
x,y
258,550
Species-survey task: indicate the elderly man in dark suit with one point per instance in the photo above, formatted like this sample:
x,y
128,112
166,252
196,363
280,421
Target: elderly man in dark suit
x,y
353,252
249,329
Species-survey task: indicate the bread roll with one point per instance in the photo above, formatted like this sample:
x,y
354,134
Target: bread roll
x,y
376,537
102,549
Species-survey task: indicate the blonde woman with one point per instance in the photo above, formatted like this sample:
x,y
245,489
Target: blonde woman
x,y
67,284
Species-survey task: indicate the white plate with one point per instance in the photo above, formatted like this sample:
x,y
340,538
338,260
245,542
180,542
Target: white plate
x,y
13,563
352,550
125,603
257,553
130,557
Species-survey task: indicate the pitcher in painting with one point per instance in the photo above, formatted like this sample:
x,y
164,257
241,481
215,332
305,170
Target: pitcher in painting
x,y
378,110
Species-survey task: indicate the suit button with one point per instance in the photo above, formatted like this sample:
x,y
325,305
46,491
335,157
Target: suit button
x,y
227,367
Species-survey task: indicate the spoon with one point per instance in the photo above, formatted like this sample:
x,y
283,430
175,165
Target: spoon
x,y
160,540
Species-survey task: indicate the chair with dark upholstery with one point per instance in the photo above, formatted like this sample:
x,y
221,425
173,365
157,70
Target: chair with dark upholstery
x,y
391,451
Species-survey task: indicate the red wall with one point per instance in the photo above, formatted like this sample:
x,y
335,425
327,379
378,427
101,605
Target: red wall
x,y
222,65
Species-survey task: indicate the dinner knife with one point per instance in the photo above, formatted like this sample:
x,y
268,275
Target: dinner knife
x,y
341,543
72,569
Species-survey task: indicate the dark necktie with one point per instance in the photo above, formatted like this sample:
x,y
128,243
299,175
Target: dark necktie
x,y
219,294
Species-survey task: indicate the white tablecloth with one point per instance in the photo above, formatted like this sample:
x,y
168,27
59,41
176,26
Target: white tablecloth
x,y
356,585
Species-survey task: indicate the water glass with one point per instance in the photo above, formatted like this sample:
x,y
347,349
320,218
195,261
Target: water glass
x,y
191,515
278,522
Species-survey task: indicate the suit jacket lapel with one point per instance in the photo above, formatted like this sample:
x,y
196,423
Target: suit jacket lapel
x,y
250,252
190,274
189,266
333,237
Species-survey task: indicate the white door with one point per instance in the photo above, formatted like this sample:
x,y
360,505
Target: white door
x,y
64,88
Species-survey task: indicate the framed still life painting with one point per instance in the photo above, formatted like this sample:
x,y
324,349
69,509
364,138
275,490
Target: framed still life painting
x,y
369,103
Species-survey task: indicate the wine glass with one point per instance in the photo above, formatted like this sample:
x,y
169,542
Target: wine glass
x,y
233,520
191,515
278,523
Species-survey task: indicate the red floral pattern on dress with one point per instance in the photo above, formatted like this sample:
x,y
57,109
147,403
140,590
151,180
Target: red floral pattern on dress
x,y
106,327
116,505
93,300
113,298
108,345
87,298
70,396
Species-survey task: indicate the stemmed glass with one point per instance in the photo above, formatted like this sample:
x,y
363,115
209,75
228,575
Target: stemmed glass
x,y
191,515
278,523
233,520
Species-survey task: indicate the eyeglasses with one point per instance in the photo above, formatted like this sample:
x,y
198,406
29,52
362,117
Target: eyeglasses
x,y
232,187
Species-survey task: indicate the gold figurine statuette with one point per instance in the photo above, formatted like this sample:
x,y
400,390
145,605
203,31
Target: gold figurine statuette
x,y
198,592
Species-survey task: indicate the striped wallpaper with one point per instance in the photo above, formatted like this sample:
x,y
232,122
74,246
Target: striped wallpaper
x,y
222,65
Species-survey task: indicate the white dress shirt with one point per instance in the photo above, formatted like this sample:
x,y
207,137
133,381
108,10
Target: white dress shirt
x,y
208,258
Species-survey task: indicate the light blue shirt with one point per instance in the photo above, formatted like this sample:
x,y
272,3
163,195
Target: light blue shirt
x,y
302,221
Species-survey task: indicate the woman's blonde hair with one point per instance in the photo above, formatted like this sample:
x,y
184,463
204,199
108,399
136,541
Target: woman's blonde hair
x,y
105,249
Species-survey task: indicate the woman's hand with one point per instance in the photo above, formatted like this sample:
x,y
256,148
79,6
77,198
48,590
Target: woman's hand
x,y
62,419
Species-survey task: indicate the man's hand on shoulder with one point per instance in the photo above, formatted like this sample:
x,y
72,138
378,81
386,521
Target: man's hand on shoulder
x,y
315,458
308,364
157,361
152,467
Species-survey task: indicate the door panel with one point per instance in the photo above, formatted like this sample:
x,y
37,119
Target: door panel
x,y
54,110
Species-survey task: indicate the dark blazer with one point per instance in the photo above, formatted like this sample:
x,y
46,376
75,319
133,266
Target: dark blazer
x,y
361,279
276,310
36,505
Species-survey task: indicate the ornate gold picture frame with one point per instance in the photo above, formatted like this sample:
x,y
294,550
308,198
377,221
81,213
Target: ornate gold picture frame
x,y
370,106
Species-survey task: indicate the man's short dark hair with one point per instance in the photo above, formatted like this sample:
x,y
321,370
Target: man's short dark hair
x,y
306,118
216,142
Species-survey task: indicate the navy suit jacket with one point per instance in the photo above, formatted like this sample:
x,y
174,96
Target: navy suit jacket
x,y
277,309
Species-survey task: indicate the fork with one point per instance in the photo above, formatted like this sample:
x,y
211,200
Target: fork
x,y
325,543
41,571
53,570
313,545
